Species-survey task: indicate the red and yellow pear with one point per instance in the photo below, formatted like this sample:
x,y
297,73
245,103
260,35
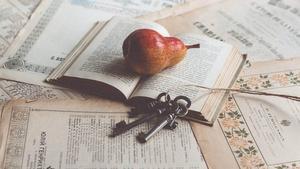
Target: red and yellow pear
x,y
147,52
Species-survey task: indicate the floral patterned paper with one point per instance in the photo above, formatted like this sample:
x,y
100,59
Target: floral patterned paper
x,y
235,129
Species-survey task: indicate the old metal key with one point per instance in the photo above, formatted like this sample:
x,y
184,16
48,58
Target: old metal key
x,y
175,109
144,137
156,107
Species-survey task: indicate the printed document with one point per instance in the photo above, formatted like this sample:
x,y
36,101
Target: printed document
x,y
264,29
255,131
74,135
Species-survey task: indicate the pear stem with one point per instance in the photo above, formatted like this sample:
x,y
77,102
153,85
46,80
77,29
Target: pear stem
x,y
193,46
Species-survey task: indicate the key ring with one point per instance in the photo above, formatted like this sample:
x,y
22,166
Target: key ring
x,y
183,112
164,94
180,110
186,99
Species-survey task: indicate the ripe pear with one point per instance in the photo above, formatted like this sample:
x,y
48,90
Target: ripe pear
x,y
147,52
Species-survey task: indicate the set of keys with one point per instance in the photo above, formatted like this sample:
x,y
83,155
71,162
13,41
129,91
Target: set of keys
x,y
163,109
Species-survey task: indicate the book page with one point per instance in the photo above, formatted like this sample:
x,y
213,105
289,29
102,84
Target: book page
x,y
55,28
200,66
74,135
14,14
265,29
178,9
258,131
103,59
15,90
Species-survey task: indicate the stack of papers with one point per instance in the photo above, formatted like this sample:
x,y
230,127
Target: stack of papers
x,y
250,131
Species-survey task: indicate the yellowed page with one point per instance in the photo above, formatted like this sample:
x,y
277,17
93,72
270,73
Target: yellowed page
x,y
103,59
264,29
74,134
16,90
257,131
14,15
178,9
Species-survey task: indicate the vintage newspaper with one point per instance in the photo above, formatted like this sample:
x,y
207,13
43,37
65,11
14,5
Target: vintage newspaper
x,y
185,7
74,134
13,16
10,90
265,29
16,90
255,131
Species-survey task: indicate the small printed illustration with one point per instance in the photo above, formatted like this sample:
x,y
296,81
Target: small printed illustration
x,y
285,123
16,63
49,167
19,116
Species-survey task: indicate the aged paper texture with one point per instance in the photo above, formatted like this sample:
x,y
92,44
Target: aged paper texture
x,y
74,134
265,29
257,131
13,16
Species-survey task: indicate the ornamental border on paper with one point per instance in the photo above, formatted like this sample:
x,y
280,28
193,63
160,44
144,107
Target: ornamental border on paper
x,y
235,129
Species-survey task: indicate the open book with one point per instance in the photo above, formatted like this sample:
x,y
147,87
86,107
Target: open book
x,y
96,65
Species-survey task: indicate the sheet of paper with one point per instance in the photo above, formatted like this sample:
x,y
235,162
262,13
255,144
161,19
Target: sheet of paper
x,y
265,29
55,29
187,6
274,123
258,131
13,16
15,90
75,135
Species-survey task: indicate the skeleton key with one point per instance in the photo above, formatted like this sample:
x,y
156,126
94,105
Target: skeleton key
x,y
176,109
157,107
151,106
180,111
122,127
165,120
144,137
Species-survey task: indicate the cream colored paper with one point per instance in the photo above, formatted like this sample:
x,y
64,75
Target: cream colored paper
x,y
14,14
257,131
178,9
15,90
74,134
264,29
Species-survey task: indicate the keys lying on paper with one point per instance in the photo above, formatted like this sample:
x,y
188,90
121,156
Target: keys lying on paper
x,y
163,109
